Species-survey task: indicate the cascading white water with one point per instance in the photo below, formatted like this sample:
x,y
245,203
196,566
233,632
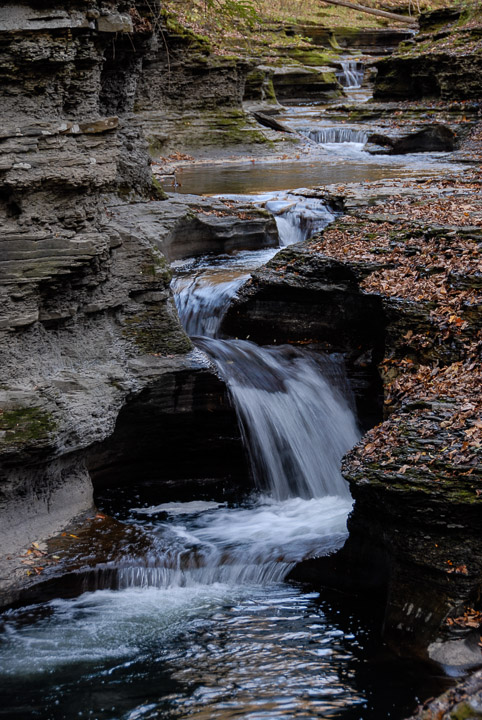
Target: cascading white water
x,y
298,218
326,136
256,544
203,288
296,424
351,74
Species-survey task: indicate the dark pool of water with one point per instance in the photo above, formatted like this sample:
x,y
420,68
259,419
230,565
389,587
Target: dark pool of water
x,y
194,649
215,652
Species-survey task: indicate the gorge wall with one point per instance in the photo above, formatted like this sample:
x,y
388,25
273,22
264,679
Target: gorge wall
x,y
87,318
443,61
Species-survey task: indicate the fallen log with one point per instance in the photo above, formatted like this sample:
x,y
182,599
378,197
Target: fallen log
x,y
271,122
372,11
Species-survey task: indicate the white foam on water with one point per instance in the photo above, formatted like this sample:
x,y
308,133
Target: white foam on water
x,y
179,508
105,625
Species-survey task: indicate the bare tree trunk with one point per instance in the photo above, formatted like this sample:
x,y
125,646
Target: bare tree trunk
x,y
371,11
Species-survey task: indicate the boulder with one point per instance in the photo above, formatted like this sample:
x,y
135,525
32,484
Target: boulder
x,y
430,138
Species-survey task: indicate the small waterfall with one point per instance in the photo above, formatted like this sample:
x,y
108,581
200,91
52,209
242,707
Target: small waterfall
x,y
295,416
204,288
299,218
296,424
336,135
351,74
202,303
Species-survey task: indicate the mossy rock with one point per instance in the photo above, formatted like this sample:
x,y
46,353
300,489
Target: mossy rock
x,y
157,331
232,128
157,267
259,86
157,191
310,57
25,426
174,27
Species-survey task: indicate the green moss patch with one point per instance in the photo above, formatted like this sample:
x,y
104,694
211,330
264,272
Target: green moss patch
x,y
23,426
157,332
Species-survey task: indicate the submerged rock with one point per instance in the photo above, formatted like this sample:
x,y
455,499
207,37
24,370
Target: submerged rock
x,y
462,701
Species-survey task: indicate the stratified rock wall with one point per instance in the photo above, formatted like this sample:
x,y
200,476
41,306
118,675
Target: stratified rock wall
x,y
444,61
189,97
80,298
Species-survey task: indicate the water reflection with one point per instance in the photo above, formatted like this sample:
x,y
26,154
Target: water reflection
x,y
259,177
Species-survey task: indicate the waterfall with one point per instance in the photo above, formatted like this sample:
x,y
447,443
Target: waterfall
x,y
203,288
336,135
296,419
298,218
296,423
202,303
351,74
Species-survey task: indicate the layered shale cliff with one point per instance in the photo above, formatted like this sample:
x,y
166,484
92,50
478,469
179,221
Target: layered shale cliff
x,y
443,61
87,319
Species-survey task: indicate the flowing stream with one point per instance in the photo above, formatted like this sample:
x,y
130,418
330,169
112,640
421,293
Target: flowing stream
x,y
206,625
351,73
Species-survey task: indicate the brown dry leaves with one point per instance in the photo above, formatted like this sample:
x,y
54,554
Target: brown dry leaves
x,y
422,445
401,249
412,267
470,619
462,211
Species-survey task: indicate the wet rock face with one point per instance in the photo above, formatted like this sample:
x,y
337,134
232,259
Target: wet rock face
x,y
431,138
435,75
301,83
189,409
